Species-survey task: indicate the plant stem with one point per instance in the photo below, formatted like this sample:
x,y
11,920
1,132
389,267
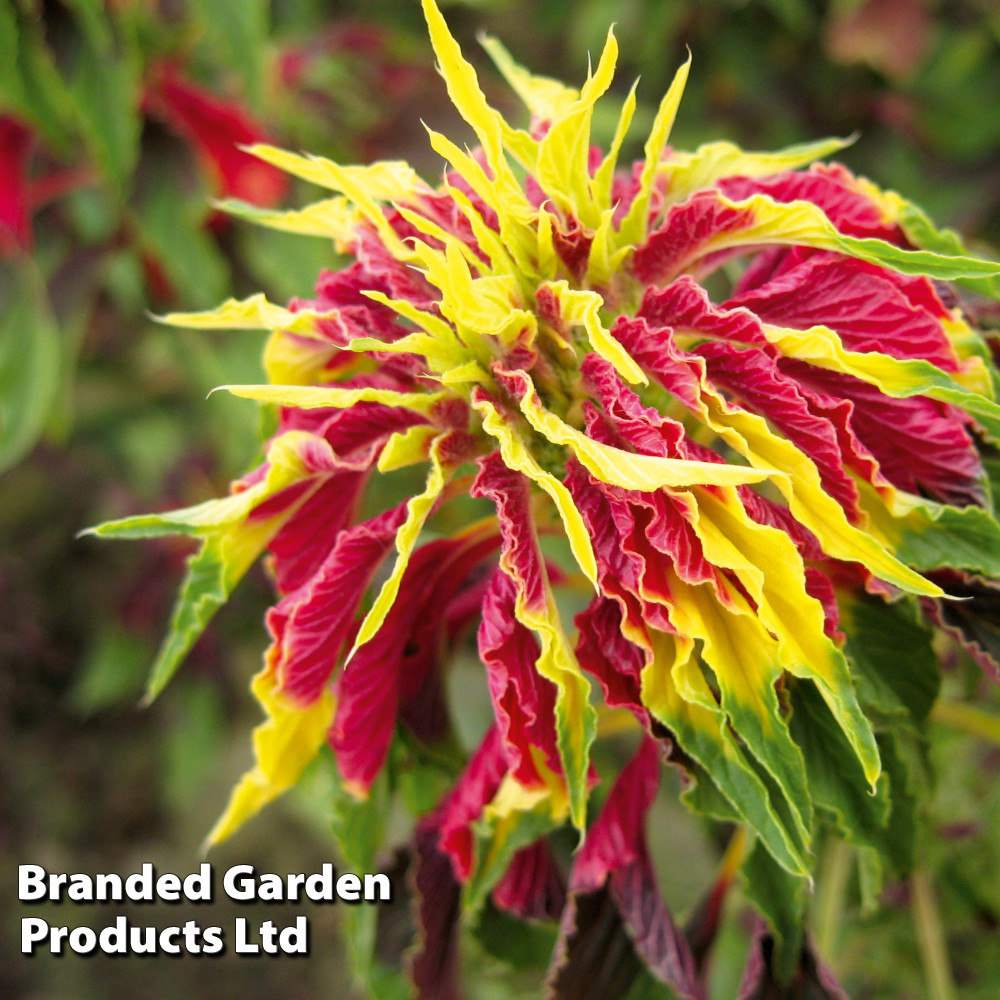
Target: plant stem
x,y
836,868
971,720
930,935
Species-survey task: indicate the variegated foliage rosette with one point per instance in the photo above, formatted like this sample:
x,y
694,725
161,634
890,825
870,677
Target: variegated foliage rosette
x,y
768,492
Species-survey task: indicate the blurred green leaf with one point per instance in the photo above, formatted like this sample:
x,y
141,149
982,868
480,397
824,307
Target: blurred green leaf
x,y
194,738
517,942
105,85
171,224
238,29
285,264
30,84
30,360
112,672
359,829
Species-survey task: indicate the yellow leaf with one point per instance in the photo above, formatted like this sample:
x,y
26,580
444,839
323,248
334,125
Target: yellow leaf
x,y
635,225
284,744
629,470
308,397
547,99
254,313
516,456
333,218
582,308
418,509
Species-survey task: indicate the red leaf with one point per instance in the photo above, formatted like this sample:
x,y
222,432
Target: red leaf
x,y
613,867
524,702
920,445
830,186
402,657
511,492
533,887
684,235
312,624
615,661
972,620
434,963
869,307
215,128
812,979
464,804
753,378
617,837
17,143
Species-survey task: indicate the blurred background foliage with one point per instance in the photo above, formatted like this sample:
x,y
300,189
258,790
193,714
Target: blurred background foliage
x,y
119,125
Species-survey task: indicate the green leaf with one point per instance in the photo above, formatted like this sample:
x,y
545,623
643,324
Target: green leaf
x,y
519,943
730,786
423,774
922,232
781,899
205,589
30,360
105,86
836,780
111,673
904,760
284,263
30,84
238,30
359,829
201,519
936,535
895,665
170,223
195,735
704,735
359,824
497,839
869,879
960,268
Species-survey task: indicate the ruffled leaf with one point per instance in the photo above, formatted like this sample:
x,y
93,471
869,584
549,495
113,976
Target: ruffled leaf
x,y
535,608
312,625
709,223
516,455
704,734
796,475
970,621
524,703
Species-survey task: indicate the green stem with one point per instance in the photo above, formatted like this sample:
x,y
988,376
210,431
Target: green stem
x,y
930,935
971,720
829,910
